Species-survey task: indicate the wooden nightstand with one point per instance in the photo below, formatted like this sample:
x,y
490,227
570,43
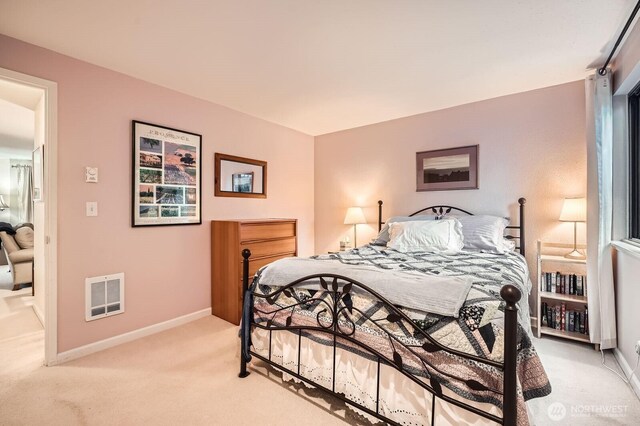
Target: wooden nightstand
x,y
562,293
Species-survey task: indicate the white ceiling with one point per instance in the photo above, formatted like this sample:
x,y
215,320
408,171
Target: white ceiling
x,y
320,66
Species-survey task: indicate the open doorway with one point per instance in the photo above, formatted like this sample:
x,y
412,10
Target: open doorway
x,y
28,326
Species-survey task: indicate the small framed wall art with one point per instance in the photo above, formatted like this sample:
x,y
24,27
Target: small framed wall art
x,y
242,182
167,176
37,167
447,169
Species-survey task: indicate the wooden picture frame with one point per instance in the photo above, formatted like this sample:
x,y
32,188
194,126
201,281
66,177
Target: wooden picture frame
x,y
37,167
229,169
242,182
166,176
447,169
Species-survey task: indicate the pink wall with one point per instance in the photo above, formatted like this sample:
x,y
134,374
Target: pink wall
x,y
167,268
532,144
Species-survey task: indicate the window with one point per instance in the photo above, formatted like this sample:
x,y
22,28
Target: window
x,y
634,163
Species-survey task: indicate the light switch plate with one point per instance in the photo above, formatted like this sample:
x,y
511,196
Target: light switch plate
x,y
92,208
91,174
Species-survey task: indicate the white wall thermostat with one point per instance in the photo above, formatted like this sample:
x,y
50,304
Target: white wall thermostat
x,y
92,174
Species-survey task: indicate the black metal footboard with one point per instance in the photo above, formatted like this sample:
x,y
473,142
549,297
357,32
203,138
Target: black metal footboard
x,y
336,320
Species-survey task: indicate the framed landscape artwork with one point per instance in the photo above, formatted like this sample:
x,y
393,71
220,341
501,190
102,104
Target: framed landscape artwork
x,y
166,176
447,169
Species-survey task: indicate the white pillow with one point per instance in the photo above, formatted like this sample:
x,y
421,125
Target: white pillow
x,y
437,236
484,232
383,236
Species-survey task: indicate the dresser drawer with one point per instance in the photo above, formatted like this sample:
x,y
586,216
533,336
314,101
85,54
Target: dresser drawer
x,y
262,231
272,247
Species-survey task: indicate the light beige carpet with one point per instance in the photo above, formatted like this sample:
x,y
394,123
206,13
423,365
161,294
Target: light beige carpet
x,y
582,388
188,376
184,376
21,334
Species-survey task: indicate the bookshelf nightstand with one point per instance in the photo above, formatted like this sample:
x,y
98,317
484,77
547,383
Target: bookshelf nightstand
x,y
562,293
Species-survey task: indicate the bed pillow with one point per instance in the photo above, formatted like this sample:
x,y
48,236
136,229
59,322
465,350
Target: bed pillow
x,y
436,236
383,236
484,232
24,237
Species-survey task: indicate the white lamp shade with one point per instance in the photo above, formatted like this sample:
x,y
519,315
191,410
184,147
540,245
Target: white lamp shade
x,y
574,210
354,216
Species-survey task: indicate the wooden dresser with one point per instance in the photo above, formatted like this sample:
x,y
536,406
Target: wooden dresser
x,y
268,240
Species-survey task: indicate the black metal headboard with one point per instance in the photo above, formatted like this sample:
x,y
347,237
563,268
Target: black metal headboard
x,y
441,211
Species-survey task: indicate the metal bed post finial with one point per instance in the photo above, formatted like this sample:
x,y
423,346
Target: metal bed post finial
x,y
379,215
246,328
521,202
511,295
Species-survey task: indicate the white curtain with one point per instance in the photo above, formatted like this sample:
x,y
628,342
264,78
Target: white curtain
x,y
600,289
25,200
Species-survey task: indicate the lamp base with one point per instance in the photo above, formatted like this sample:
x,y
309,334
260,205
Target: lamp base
x,y
575,255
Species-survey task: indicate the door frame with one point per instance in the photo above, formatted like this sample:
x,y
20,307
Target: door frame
x,y
50,182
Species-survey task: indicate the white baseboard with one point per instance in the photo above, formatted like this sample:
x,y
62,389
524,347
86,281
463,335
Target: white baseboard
x,y
635,381
128,337
39,314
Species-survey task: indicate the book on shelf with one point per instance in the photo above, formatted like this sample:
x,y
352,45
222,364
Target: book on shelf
x,y
570,284
586,320
572,320
572,288
579,285
560,317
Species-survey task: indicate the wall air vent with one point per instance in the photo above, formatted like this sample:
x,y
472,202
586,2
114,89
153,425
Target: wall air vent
x,y
104,296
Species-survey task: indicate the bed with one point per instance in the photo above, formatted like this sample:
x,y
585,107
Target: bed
x,y
389,356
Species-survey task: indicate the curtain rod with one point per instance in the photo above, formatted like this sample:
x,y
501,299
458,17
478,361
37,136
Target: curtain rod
x,y
21,165
603,69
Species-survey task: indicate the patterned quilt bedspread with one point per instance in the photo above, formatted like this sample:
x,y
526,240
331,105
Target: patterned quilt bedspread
x,y
479,330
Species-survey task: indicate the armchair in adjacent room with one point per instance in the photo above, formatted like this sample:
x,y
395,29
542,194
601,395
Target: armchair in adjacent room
x,y
18,249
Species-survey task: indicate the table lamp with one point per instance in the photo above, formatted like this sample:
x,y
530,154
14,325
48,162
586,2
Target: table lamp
x,y
574,210
355,216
